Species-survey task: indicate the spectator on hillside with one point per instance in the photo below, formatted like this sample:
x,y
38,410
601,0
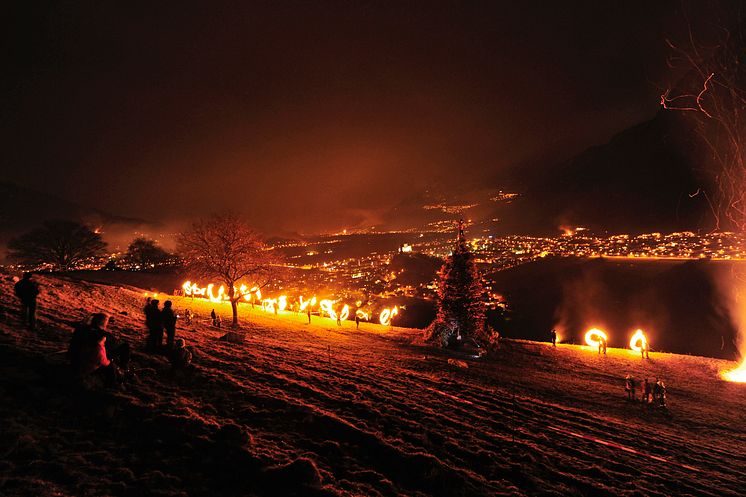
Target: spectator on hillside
x,y
308,313
656,391
154,323
27,290
357,322
661,393
646,390
553,335
181,356
188,316
117,349
95,362
629,387
601,345
214,318
168,316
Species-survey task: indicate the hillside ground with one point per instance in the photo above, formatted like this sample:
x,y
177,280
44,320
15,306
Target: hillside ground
x,y
318,409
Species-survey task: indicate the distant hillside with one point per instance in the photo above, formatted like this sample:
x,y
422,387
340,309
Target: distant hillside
x,y
23,208
641,180
644,179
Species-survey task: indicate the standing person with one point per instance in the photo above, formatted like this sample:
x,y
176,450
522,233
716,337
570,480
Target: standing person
x,y
554,337
661,394
602,345
27,290
645,350
188,316
629,387
308,312
656,391
168,316
339,320
357,322
154,323
214,318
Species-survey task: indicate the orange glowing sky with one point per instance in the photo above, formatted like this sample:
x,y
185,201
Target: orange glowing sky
x,y
288,110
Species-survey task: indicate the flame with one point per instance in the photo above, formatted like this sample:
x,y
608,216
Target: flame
x,y
191,289
592,337
305,303
387,315
327,306
737,375
220,295
280,303
269,305
344,313
638,341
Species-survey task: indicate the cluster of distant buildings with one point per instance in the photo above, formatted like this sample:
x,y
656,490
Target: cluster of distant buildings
x,y
320,266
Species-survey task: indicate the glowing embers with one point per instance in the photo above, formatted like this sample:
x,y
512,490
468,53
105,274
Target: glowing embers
x,y
593,337
387,315
639,341
737,375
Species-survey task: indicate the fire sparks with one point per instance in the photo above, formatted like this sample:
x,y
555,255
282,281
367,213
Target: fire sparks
x,y
362,314
737,375
387,315
593,337
638,341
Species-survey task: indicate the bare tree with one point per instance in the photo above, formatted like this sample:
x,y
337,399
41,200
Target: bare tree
x,y
226,248
63,244
712,94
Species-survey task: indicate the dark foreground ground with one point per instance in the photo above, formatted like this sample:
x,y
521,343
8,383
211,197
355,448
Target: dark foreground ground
x,y
319,410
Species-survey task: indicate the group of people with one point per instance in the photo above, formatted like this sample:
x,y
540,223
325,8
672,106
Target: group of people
x,y
653,394
216,321
157,321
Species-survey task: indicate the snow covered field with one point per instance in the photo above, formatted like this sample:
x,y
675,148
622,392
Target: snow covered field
x,y
324,410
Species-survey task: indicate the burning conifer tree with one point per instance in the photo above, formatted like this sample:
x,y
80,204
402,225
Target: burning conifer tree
x,y
460,298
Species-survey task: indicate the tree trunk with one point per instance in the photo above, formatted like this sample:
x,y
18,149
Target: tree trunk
x,y
234,306
234,303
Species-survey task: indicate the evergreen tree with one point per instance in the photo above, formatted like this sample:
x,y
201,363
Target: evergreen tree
x,y
460,297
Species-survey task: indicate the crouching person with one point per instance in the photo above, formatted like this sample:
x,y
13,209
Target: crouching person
x,y
94,350
95,363
181,358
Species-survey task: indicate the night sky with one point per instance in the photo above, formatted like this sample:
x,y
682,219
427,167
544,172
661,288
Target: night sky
x,y
313,115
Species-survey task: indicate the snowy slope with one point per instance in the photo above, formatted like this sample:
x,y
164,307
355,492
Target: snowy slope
x,y
319,410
